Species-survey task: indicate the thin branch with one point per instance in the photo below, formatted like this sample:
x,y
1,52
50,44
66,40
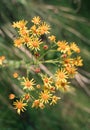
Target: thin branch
x,y
84,79
86,109
62,8
82,84
87,74
78,34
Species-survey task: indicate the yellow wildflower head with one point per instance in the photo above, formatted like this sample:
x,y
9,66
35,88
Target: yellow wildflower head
x,y
41,105
34,30
61,74
36,20
68,61
62,46
20,24
78,61
47,80
52,38
18,42
54,100
74,47
19,105
44,28
36,103
45,96
71,70
26,40
24,32
35,44
28,84
62,85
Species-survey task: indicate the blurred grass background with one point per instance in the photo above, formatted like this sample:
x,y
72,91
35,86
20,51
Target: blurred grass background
x,y
70,21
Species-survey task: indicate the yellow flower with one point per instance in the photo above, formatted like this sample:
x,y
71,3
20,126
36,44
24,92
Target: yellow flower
x,y
19,106
61,74
36,20
47,80
35,44
18,42
44,28
62,46
34,30
20,24
62,85
26,40
41,105
54,100
68,61
15,75
52,38
28,84
45,97
71,70
23,32
74,47
2,58
69,52
52,89
78,61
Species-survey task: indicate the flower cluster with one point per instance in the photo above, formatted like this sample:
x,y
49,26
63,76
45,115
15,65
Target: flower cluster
x,y
40,42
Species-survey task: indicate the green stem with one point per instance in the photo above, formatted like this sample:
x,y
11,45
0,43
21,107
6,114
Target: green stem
x,y
50,61
48,51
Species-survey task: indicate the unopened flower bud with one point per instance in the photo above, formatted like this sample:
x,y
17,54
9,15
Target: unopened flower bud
x,y
45,47
37,70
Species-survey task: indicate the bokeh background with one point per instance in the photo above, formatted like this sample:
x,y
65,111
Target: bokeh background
x,y
70,21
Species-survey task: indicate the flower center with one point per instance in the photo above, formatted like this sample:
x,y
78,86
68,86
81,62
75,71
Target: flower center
x,y
45,96
35,44
19,105
28,84
63,47
61,75
46,80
